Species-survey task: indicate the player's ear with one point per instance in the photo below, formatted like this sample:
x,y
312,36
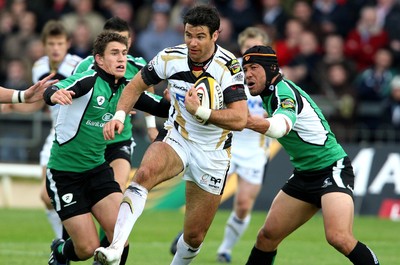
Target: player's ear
x,y
99,59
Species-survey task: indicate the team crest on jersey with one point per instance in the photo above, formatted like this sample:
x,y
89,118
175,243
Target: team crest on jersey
x,y
287,103
234,66
100,100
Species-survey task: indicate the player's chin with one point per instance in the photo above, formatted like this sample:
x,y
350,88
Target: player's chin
x,y
119,74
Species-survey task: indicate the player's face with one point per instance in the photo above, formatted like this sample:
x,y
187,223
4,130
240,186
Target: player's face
x,y
56,47
114,59
199,42
255,78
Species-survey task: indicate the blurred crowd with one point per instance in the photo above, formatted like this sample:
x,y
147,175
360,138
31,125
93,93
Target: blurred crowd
x,y
345,53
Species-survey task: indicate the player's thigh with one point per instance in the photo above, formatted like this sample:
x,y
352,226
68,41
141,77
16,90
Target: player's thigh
x,y
201,207
160,162
82,230
338,213
286,215
106,211
121,168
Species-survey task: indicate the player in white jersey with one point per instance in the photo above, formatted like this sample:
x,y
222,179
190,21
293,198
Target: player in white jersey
x,y
57,60
250,152
199,150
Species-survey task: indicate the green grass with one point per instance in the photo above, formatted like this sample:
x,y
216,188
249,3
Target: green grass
x,y
25,237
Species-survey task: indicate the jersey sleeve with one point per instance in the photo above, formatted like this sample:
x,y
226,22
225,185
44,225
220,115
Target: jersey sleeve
x,y
84,65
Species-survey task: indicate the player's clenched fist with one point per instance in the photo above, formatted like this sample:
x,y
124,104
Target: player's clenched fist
x,y
116,124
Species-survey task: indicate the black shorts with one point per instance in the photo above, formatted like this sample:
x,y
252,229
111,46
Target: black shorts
x,y
74,193
310,186
123,149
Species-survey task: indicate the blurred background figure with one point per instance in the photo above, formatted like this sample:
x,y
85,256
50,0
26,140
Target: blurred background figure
x,y
365,38
158,35
373,89
392,110
287,47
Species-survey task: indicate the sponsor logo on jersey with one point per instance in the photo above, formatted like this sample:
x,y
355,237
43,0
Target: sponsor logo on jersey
x,y
107,117
234,66
100,100
287,103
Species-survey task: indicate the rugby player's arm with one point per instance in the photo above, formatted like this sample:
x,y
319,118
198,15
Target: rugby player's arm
x,y
276,126
233,118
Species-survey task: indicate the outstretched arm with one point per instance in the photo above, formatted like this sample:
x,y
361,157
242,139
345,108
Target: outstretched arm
x,y
32,94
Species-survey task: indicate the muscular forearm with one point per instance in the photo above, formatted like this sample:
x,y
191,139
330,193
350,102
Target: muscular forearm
x,y
6,95
232,118
131,94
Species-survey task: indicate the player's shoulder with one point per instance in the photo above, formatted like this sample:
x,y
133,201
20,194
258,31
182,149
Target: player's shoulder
x,y
178,50
44,60
139,61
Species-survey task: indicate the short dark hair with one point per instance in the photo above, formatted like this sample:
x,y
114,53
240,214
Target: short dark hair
x,y
104,39
203,15
54,28
116,24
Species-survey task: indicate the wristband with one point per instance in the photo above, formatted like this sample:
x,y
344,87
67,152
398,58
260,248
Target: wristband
x,y
120,115
14,98
203,113
150,121
21,96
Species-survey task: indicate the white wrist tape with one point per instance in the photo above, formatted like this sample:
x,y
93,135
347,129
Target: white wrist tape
x,y
14,98
203,113
277,126
18,97
21,96
150,121
120,115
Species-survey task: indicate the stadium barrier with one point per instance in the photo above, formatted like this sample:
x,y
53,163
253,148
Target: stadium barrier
x,y
7,171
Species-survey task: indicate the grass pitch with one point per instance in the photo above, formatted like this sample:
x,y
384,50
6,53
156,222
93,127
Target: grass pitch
x,y
25,237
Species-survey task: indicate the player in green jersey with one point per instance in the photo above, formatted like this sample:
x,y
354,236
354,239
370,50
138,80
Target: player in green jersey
x,y
323,176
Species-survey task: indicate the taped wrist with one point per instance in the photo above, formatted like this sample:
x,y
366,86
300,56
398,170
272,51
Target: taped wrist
x,y
277,126
120,115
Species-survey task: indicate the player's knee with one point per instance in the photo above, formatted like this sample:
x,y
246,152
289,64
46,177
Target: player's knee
x,y
340,241
194,238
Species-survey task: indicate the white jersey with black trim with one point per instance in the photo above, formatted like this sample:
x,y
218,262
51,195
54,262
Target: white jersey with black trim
x,y
248,143
41,69
172,64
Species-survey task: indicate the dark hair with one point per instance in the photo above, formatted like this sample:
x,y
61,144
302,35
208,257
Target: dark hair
x,y
203,15
116,24
104,38
54,28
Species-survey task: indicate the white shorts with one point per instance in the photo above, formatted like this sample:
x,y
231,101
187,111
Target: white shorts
x,y
208,169
253,175
45,153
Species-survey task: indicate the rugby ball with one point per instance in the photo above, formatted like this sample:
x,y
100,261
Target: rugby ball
x,y
209,92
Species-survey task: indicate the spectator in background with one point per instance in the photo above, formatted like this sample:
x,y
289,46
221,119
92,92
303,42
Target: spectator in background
x,y
340,93
16,44
303,11
392,110
333,52
301,69
373,89
158,34
365,39
241,13
177,12
226,36
288,47
274,17
389,16
332,17
81,41
145,12
84,11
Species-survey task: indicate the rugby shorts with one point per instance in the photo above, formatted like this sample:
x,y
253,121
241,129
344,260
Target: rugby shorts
x,y
74,193
310,186
123,149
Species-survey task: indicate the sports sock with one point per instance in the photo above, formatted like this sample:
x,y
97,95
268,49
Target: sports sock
x,y
55,222
258,257
69,251
234,229
103,238
184,253
131,208
65,234
124,255
362,255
